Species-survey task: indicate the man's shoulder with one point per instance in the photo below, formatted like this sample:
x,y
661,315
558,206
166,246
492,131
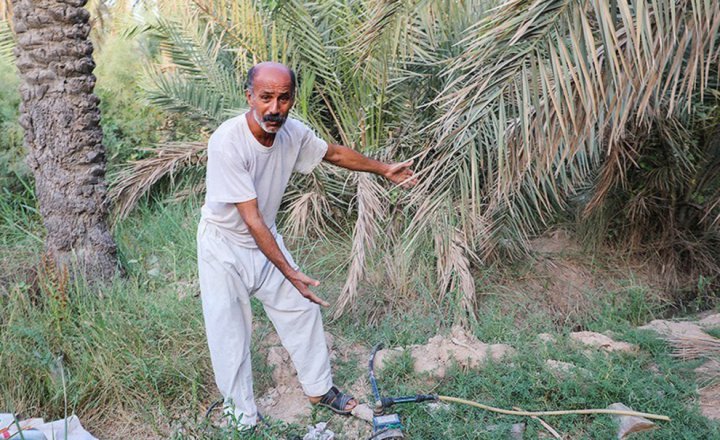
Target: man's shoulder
x,y
227,133
295,126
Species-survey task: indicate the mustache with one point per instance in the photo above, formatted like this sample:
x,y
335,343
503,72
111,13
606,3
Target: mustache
x,y
274,118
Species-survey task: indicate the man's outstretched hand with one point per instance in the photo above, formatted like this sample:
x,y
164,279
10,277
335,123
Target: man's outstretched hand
x,y
302,283
401,174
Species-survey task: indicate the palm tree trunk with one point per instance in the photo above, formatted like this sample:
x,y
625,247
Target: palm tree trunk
x,y
60,115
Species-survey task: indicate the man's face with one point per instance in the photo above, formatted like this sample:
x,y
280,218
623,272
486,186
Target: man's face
x,y
271,98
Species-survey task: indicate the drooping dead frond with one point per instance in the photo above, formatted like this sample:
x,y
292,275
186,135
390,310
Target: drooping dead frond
x,y
135,180
453,254
370,212
399,268
308,212
186,192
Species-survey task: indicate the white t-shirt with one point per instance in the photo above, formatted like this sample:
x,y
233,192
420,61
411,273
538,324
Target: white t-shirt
x,y
239,168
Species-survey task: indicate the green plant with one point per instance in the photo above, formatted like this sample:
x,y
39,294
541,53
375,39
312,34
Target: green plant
x,y
130,125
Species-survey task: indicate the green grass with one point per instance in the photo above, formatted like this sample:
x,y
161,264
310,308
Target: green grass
x,y
525,382
714,332
138,346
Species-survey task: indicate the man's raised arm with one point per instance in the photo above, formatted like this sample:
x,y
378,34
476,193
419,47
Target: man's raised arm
x,y
399,173
266,242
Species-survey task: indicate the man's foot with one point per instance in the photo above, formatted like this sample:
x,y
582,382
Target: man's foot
x,y
336,401
236,420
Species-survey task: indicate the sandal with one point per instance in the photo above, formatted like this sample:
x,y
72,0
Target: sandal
x,y
336,401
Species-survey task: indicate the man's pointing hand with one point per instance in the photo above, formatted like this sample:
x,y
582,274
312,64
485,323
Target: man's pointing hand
x,y
302,283
401,174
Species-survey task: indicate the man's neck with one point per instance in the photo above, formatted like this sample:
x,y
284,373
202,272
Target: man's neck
x,y
261,135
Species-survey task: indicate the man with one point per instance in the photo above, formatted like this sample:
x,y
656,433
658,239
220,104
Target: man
x,y
241,254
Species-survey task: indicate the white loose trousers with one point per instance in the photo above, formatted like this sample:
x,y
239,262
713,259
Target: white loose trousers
x,y
229,275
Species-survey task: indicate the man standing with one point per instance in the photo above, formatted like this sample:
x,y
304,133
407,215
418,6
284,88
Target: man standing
x,y
241,254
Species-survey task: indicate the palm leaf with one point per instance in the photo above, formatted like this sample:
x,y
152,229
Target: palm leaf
x,y
132,182
366,233
7,42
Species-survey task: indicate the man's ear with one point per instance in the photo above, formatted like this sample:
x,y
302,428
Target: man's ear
x,y
248,96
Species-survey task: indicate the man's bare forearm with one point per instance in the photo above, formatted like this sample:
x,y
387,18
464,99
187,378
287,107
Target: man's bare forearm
x,y
398,173
266,243
263,237
268,246
350,159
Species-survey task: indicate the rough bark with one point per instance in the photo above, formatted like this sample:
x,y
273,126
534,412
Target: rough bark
x,y
60,115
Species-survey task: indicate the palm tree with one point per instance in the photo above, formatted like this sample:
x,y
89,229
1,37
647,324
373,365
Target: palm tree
x,y
60,115
607,109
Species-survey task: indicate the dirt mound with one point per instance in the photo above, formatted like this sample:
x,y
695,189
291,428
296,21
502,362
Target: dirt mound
x,y
603,342
682,334
440,351
710,401
564,281
710,321
710,394
672,329
558,241
558,280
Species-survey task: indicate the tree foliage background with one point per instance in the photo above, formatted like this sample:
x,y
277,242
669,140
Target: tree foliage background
x,y
518,114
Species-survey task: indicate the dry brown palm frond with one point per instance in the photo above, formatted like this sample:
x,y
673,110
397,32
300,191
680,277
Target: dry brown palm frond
x,y
453,270
371,210
612,174
695,347
186,192
398,271
307,214
136,179
714,206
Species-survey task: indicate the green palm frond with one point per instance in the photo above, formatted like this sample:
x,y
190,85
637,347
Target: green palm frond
x,y
179,94
308,42
369,35
247,29
559,84
197,53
